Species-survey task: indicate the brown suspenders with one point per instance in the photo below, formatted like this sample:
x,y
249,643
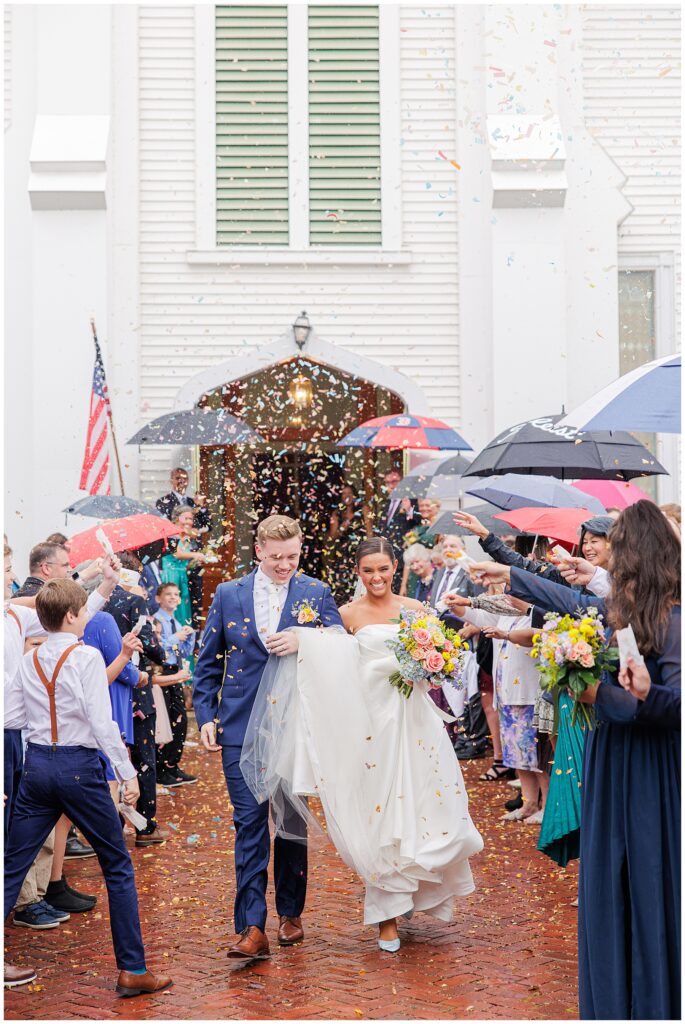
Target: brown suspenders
x,y
16,618
49,685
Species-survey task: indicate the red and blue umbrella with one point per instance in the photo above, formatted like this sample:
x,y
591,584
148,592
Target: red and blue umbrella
x,y
405,431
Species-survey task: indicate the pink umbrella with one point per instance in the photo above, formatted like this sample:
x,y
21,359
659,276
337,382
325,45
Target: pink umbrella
x,y
612,493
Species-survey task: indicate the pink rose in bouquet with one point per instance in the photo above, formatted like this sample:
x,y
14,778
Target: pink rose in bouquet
x,y
434,661
423,637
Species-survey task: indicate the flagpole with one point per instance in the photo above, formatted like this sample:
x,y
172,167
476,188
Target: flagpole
x,y
111,421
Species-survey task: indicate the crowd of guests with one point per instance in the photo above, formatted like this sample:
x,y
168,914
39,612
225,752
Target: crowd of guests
x,y
609,797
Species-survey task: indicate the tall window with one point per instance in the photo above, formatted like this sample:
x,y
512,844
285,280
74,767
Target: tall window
x,y
252,125
637,337
340,91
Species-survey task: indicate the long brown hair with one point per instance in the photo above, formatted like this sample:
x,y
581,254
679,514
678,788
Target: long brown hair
x,y
645,574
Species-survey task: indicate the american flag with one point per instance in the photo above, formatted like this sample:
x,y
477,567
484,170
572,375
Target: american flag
x,y
95,471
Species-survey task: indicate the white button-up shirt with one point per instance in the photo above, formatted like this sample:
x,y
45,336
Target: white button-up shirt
x,y
16,634
269,601
84,710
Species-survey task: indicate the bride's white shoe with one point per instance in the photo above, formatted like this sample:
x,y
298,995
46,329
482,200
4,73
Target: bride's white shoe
x,y
389,947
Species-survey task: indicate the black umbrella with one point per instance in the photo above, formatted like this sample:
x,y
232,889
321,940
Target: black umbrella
x,y
542,448
109,506
446,524
196,426
436,478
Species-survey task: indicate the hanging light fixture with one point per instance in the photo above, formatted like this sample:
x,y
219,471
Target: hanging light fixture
x,y
300,392
301,329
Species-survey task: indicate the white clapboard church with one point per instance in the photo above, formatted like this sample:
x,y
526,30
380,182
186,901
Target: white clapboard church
x,y
476,206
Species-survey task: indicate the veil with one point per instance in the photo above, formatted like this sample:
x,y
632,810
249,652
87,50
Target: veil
x,y
309,734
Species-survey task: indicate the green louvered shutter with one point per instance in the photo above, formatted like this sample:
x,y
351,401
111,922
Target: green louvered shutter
x,y
252,125
344,126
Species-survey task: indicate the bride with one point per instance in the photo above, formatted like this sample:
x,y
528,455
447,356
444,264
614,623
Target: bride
x,y
327,722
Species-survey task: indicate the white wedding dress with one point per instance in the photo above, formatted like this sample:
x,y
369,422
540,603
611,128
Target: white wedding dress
x,y
327,722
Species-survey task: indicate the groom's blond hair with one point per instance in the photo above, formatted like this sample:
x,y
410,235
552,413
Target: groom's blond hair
x,y
278,528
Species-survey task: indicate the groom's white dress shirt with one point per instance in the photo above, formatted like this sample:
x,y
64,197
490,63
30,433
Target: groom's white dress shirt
x,y
269,601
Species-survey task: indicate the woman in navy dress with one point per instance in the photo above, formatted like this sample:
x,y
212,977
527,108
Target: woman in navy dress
x,y
629,891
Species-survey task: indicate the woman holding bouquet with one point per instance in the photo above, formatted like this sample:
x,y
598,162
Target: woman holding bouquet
x,y
328,721
183,565
629,891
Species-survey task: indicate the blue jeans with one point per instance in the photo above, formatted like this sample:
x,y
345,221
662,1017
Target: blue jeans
x,y
71,781
252,850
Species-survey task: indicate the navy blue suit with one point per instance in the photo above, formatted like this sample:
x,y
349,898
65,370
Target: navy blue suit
x,y
629,887
227,676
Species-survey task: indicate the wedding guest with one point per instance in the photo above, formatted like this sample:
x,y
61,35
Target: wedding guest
x,y
63,774
452,578
61,539
629,891
397,517
672,513
177,496
178,642
183,565
127,609
46,562
421,534
150,579
517,683
417,561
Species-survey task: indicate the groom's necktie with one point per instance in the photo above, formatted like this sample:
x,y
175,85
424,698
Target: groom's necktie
x,y
275,594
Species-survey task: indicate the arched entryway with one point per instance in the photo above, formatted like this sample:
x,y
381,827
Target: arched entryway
x,y
301,401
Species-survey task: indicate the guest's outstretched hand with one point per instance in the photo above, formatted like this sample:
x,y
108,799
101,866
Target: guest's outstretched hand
x,y
577,570
470,523
635,679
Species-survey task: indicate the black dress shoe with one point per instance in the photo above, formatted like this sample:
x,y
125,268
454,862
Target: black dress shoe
x,y
183,777
75,892
58,896
76,850
514,803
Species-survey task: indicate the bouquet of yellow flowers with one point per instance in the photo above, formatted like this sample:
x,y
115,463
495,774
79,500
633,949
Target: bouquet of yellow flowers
x,y
571,654
426,649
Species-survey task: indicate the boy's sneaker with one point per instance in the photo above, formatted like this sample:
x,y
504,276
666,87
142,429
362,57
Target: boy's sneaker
x,y
39,916
167,779
184,778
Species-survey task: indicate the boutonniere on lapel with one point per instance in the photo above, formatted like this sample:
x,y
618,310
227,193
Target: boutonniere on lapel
x,y
304,613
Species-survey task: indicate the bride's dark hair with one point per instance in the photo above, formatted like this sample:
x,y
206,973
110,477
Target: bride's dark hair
x,y
375,546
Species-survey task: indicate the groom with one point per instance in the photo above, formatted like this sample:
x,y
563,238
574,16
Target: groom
x,y
246,623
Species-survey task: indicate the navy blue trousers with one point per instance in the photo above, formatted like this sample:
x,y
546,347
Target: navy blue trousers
x,y
14,757
71,781
252,850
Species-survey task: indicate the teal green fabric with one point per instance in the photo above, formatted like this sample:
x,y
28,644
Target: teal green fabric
x,y
560,831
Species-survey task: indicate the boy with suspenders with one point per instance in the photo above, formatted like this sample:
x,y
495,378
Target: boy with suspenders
x,y
62,688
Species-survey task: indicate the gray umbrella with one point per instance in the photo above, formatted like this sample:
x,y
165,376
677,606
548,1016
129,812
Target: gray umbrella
x,y
446,524
196,426
515,490
436,478
109,506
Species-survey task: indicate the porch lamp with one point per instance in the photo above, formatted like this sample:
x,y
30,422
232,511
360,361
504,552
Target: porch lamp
x,y
300,392
301,329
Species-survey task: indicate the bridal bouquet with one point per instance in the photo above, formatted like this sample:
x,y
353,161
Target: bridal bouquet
x,y
426,649
571,654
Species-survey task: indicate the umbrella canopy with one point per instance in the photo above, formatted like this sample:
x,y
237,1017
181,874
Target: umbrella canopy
x,y
446,524
123,534
646,399
514,490
611,493
404,431
196,426
109,506
542,447
439,478
560,524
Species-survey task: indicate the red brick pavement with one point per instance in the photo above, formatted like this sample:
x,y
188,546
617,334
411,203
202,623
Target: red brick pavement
x,y
509,953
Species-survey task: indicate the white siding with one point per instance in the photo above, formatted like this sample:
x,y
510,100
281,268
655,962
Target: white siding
x,y
7,47
632,93
194,317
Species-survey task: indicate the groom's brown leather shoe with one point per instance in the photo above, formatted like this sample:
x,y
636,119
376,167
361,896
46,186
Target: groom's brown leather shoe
x,y
141,984
252,945
290,930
